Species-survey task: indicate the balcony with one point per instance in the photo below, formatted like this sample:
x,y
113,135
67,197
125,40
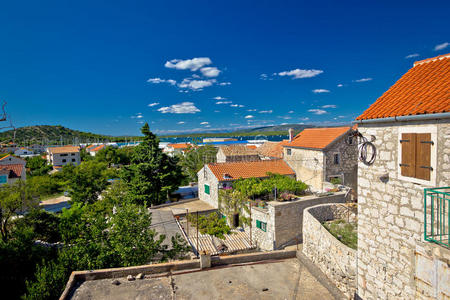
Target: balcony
x,y
436,215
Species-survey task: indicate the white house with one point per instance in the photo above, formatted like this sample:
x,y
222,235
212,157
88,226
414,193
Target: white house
x,y
23,152
61,156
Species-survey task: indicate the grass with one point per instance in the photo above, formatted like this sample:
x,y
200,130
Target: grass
x,y
345,232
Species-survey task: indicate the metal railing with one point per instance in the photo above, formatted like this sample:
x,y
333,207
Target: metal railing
x,y
436,215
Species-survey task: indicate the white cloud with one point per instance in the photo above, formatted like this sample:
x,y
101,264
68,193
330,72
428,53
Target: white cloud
x,y
290,112
204,123
304,119
217,111
263,76
240,105
210,71
139,116
196,84
251,109
181,122
285,117
299,73
412,55
363,79
319,91
181,108
153,104
318,111
225,83
249,117
237,105
329,106
266,111
441,46
188,64
219,98
340,85
223,102
159,80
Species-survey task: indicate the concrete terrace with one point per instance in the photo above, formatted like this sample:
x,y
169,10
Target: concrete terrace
x,y
282,279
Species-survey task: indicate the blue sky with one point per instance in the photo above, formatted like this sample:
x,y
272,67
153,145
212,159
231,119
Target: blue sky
x,y
203,65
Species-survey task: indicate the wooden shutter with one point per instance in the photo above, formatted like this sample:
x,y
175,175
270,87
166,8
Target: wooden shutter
x,y
423,156
408,164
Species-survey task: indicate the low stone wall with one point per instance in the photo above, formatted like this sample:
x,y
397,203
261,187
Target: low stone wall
x,y
334,258
432,271
285,220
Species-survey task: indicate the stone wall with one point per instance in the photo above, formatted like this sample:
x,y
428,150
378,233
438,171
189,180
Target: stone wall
x,y
390,211
307,165
335,259
348,164
285,220
432,275
205,176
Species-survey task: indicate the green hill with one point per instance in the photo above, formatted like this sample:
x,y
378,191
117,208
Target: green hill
x,y
50,134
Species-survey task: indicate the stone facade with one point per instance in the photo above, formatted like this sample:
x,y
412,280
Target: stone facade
x,y
390,209
335,259
284,220
314,167
206,178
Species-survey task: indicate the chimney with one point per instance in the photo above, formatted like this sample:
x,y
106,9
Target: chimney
x,y
291,134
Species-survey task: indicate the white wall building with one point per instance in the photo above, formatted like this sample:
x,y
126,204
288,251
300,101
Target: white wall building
x,y
61,156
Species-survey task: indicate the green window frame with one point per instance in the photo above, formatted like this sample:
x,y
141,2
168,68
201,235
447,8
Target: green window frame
x,y
206,189
261,225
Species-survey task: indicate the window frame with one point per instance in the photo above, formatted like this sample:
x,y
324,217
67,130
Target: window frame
x,y
432,129
288,151
261,225
336,154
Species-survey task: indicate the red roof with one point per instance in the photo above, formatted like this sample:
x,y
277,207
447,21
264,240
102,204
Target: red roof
x,y
424,89
98,148
179,146
259,169
317,138
15,171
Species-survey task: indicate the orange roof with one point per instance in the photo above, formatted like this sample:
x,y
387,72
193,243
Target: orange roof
x,y
259,169
251,146
14,170
317,138
238,150
97,148
272,149
64,149
5,156
179,146
424,89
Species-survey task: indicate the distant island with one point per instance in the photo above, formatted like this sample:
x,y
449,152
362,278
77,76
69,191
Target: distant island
x,y
57,134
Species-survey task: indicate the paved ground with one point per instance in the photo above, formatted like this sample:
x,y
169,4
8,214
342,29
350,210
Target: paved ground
x,y
163,222
192,206
55,204
288,279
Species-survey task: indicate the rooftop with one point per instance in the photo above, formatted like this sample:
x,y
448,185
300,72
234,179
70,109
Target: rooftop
x,y
250,281
317,138
180,146
272,149
97,148
232,150
424,89
64,149
259,169
15,171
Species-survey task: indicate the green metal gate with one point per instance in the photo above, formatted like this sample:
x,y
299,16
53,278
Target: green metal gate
x,y
436,215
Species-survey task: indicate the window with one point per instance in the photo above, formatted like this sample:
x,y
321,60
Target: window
x,y
206,189
261,225
350,140
288,151
336,159
63,160
73,159
416,155
73,154
65,154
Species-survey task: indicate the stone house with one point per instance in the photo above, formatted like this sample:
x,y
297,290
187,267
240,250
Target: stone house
x,y
236,153
319,155
61,156
173,149
12,169
215,176
403,242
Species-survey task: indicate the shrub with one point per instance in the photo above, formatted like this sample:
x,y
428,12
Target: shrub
x,y
211,224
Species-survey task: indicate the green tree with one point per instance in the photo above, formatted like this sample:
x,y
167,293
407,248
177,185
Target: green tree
x,y
88,181
14,198
37,166
195,158
45,185
152,175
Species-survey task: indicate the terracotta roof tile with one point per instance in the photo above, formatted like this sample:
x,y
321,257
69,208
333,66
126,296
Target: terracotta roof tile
x,y
317,138
179,146
64,149
424,89
272,149
231,150
98,148
259,169
15,171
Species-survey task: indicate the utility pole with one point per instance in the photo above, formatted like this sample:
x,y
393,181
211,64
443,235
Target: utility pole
x,y
250,223
197,235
